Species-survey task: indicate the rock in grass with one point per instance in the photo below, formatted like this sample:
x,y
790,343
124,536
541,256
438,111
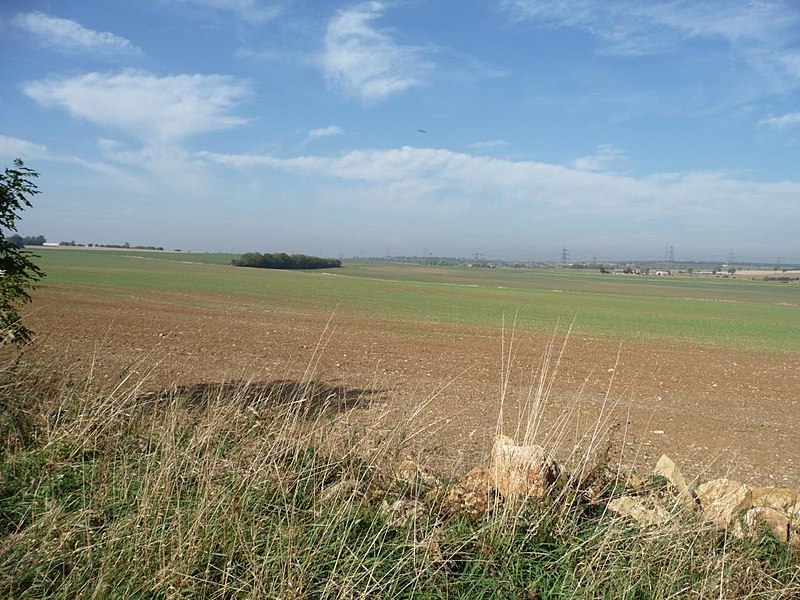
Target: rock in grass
x,y
667,468
473,493
644,510
787,501
478,479
522,471
781,524
776,508
722,500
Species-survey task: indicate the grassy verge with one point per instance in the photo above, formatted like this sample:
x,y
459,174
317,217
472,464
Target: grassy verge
x,y
266,490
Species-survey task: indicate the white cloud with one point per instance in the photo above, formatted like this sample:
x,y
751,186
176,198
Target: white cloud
x,y
633,27
249,10
488,145
783,121
433,176
606,156
69,36
366,62
169,165
107,145
753,41
11,147
154,109
328,131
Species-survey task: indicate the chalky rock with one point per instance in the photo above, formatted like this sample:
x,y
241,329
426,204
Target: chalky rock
x,y
780,523
722,500
780,499
776,508
644,510
667,468
521,471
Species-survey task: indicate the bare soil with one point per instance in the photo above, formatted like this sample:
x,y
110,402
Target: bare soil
x,y
716,412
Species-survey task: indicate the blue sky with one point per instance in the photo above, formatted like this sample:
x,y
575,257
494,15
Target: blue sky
x,y
510,128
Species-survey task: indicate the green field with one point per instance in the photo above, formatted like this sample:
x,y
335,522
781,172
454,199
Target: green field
x,y
738,313
304,486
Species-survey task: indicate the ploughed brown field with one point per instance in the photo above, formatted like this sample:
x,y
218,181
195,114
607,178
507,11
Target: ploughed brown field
x,y
717,411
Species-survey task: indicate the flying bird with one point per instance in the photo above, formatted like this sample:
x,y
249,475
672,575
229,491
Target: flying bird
x,y
422,131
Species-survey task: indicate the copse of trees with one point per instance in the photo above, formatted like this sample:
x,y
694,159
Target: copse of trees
x,y
281,260
21,241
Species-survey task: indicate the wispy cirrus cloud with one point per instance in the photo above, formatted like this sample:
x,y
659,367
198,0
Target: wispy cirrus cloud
x,y
488,145
606,156
151,108
754,41
783,121
466,182
632,27
250,10
11,147
328,131
366,62
31,152
69,36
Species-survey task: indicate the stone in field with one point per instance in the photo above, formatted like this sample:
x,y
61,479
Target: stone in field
x,y
781,524
777,508
472,494
723,499
644,510
667,468
522,471
787,501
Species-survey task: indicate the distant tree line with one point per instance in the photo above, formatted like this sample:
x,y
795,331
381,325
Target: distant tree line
x,y
125,246
783,278
282,260
20,241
